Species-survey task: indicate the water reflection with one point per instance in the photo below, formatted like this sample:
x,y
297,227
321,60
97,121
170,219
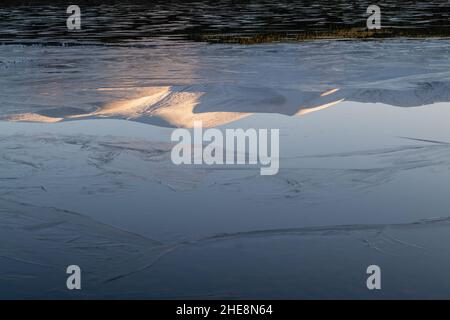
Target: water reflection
x,y
217,83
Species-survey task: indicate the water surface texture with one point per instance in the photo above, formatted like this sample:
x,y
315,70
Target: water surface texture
x,y
136,21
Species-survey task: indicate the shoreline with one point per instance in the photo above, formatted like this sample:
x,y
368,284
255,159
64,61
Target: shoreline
x,y
341,34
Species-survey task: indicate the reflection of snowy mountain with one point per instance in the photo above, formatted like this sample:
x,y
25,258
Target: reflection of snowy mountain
x,y
220,104
174,84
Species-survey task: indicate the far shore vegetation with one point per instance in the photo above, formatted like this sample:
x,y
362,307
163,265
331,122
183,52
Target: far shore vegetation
x,y
331,34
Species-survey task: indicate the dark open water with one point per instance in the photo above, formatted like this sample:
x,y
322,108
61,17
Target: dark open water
x,y
117,21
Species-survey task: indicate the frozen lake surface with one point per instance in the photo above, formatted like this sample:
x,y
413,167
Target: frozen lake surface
x,y
364,170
